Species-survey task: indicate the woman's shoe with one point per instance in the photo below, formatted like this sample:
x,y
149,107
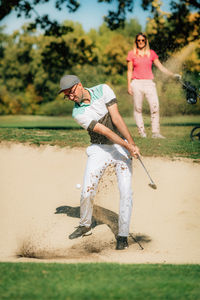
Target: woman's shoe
x,y
143,135
158,136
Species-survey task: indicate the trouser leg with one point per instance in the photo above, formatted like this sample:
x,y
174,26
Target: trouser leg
x,y
152,98
124,177
95,167
137,106
98,161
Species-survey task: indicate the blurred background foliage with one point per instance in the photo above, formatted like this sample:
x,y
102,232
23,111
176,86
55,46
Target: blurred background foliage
x,y
32,63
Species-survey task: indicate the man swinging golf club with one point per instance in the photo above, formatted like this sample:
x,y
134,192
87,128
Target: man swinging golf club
x,y
96,110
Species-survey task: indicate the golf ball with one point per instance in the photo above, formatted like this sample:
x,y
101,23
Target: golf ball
x,y
78,185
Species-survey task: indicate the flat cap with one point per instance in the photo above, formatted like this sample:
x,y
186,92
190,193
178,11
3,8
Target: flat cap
x,y
67,81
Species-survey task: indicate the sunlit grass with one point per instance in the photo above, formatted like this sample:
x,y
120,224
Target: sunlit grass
x,y
65,132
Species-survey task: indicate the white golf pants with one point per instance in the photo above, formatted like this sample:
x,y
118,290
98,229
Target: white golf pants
x,y
141,88
99,158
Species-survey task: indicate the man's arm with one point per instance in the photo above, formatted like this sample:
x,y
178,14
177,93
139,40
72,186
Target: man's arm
x,y
102,129
119,123
121,126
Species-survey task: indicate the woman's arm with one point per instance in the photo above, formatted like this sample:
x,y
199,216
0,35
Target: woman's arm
x,y
158,64
129,76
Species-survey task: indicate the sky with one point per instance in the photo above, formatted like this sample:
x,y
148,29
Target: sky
x,y
90,14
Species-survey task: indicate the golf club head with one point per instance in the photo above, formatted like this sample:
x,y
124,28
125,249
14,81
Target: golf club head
x,y
153,186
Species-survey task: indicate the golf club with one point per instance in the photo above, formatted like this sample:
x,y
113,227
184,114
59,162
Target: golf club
x,y
152,184
136,241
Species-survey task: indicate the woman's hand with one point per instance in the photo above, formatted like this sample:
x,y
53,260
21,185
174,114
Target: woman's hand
x,y
177,76
130,91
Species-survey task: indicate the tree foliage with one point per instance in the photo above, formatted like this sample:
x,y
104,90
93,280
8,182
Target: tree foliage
x,y
115,55
31,63
114,19
172,31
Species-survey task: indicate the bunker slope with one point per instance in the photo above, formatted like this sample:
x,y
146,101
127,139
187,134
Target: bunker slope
x,y
39,208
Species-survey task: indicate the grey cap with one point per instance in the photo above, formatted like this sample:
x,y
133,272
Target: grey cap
x,y
67,81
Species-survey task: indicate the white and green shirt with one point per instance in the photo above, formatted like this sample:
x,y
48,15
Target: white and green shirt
x,y
88,115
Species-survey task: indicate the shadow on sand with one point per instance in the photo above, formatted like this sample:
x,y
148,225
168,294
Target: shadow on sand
x,y
101,216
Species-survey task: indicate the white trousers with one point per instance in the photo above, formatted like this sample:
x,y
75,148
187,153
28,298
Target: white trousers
x,y
99,158
141,88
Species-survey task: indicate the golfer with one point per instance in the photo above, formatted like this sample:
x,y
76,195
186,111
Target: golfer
x,y
96,110
140,83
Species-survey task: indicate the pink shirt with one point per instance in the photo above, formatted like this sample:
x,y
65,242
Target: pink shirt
x,y
142,65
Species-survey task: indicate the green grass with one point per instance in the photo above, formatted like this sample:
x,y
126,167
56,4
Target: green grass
x,y
62,138
26,121
67,122
98,281
65,132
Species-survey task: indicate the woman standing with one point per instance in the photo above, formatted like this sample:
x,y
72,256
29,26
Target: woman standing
x,y
140,83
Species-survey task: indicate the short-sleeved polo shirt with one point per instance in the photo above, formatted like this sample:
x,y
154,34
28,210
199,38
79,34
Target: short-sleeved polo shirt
x,y
88,115
142,65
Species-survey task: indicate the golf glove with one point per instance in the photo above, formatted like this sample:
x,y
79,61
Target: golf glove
x,y
177,76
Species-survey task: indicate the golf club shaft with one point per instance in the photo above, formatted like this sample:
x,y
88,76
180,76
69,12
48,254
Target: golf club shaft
x,y
136,241
146,170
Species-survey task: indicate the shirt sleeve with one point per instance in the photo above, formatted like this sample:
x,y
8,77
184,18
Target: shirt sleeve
x,y
109,95
153,55
84,120
129,56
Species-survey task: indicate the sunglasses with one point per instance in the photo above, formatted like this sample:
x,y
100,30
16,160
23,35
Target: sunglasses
x,y
143,40
70,92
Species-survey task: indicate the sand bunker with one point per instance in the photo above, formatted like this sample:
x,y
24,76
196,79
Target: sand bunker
x,y
39,208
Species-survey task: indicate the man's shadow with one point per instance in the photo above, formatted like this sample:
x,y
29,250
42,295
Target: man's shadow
x,y
100,216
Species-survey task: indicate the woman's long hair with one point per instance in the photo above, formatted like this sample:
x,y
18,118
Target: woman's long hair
x,y
146,48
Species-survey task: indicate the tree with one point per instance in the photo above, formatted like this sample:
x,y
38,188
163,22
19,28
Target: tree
x,y
130,29
114,19
38,60
15,64
169,32
115,55
114,45
150,4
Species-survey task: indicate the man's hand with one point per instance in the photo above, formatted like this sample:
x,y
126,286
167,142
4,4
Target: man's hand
x,y
134,151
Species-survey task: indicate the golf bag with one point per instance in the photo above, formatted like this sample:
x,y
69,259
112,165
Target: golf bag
x,y
191,98
191,92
